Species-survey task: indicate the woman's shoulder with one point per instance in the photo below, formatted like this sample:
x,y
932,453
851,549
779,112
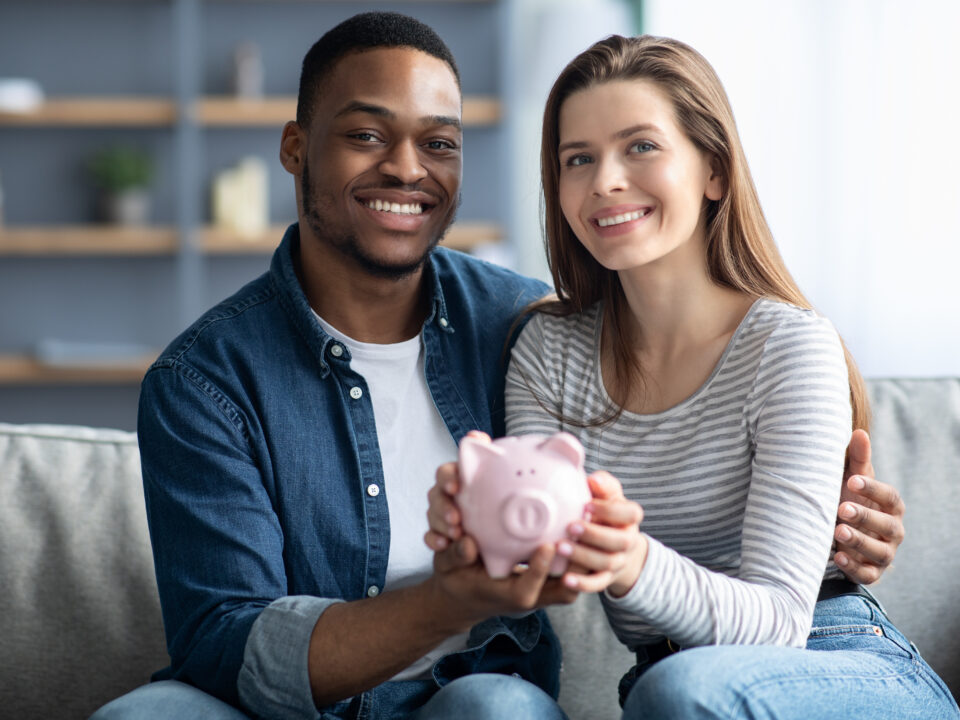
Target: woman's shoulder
x,y
782,322
549,325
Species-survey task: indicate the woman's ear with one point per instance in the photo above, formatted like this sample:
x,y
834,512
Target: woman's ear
x,y
292,148
716,182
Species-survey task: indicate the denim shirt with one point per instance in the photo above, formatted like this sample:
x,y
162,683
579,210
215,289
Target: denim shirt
x,y
259,455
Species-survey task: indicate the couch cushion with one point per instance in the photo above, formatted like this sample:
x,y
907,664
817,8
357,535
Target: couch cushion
x,y
79,613
916,447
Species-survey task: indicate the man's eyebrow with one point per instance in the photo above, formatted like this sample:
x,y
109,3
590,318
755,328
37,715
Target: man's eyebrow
x,y
357,106
619,135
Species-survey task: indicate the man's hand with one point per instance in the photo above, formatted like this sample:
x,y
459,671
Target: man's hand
x,y
870,518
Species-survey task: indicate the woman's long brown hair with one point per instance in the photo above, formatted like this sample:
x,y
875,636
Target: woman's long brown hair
x,y
741,253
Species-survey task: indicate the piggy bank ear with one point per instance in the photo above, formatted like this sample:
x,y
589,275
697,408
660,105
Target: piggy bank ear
x,y
473,453
565,444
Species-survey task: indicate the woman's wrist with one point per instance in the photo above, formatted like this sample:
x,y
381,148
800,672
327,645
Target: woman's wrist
x,y
624,580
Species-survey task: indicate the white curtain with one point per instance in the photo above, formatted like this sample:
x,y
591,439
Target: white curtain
x,y
850,114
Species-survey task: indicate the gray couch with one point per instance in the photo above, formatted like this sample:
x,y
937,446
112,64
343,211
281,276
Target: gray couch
x,y
80,621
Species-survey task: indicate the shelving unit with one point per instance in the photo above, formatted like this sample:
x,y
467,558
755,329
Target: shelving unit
x,y
161,82
214,111
107,240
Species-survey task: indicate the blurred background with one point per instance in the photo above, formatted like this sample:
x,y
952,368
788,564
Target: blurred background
x,y
139,180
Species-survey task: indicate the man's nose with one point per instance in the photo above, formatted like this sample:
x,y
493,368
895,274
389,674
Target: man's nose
x,y
403,163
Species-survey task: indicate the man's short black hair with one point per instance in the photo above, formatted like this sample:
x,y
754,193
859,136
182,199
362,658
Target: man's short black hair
x,y
365,31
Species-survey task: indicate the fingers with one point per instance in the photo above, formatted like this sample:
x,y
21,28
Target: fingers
x,y
459,554
443,516
876,551
858,454
876,522
857,568
886,497
604,486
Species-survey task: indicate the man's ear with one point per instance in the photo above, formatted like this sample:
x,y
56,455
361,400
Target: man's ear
x,y
292,148
716,183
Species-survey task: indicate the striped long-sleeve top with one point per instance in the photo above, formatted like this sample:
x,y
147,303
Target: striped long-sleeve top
x,y
739,482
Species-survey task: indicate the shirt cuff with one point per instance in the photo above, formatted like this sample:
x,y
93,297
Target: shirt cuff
x,y
274,680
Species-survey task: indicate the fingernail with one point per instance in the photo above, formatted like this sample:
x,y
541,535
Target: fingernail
x,y
441,543
841,560
856,483
570,582
589,508
450,517
844,534
564,548
847,511
575,530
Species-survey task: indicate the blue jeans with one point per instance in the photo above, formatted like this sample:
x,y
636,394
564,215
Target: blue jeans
x,y
473,697
856,665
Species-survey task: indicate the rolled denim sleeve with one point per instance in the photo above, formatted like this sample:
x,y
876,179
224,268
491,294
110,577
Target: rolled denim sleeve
x,y
273,680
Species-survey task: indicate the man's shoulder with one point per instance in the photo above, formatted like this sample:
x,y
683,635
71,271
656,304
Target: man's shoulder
x,y
480,280
222,321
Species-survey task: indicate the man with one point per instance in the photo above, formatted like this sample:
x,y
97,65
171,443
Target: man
x,y
274,431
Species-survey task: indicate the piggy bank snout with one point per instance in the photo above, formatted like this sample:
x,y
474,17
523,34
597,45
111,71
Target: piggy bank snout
x,y
528,514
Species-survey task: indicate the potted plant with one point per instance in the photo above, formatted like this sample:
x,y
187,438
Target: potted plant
x,y
123,175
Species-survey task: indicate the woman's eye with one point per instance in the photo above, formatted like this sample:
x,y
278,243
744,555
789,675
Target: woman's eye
x,y
642,147
578,160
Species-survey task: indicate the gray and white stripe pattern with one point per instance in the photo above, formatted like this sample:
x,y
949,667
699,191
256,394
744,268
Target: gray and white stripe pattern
x,y
739,482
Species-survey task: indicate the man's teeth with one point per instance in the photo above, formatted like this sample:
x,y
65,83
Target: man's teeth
x,y
402,209
619,219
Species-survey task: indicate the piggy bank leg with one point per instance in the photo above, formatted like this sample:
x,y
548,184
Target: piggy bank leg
x,y
558,566
498,567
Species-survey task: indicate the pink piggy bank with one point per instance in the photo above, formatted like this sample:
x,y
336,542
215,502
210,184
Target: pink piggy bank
x,y
518,493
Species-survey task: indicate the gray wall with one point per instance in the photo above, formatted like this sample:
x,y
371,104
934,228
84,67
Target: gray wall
x,y
131,48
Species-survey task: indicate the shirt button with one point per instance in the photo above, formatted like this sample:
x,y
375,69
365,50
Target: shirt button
x,y
336,350
443,322
373,591
373,489
356,393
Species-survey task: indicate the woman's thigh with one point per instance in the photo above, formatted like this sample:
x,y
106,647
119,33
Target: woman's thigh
x,y
856,664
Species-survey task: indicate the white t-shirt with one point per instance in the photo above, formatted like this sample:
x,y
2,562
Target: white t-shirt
x,y
414,441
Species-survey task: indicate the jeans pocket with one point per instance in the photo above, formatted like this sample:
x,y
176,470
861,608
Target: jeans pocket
x,y
869,637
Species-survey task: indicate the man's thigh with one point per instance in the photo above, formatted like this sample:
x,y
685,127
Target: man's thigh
x,y
487,696
168,699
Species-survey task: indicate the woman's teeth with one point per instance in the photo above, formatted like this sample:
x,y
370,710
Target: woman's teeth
x,y
402,209
619,219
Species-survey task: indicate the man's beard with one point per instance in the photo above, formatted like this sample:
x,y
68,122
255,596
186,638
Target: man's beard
x,y
346,242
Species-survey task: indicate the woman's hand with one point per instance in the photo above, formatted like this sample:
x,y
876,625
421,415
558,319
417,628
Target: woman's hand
x,y
608,550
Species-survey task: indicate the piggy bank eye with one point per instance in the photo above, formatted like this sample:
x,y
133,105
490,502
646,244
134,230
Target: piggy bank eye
x,y
533,471
519,473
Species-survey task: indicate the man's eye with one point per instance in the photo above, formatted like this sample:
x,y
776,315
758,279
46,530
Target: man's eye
x,y
441,145
363,137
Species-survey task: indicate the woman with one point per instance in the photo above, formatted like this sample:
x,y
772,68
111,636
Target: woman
x,y
683,355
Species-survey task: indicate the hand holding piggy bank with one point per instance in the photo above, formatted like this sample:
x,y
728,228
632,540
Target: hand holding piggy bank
x,y
518,493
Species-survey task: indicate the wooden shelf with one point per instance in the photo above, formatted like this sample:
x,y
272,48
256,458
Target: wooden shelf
x,y
96,112
212,111
275,111
26,370
87,240
105,240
